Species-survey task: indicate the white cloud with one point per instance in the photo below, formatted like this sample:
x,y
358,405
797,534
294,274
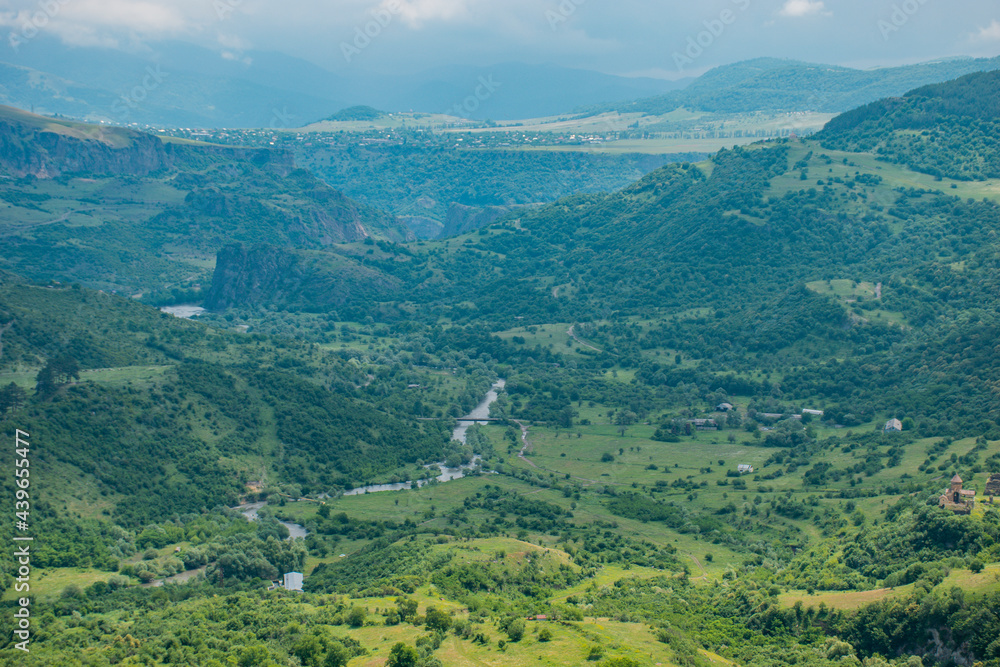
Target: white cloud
x,y
237,57
990,33
416,12
800,8
148,18
108,23
234,42
233,48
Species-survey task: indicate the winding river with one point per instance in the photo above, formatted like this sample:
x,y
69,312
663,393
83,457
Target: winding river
x,y
480,412
185,312
250,512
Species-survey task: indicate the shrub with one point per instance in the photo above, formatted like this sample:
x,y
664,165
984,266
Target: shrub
x,y
356,617
515,630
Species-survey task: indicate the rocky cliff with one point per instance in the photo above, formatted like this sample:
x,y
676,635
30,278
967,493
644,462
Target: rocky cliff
x,y
267,275
464,219
47,148
299,211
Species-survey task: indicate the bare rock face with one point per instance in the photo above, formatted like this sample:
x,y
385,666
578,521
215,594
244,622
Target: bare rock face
x,y
42,153
313,280
48,148
249,276
463,219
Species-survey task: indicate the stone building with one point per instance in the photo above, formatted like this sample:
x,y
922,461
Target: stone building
x,y
993,486
957,499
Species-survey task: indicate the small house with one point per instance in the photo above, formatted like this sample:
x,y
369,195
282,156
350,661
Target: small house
x,y
724,407
893,426
744,469
292,581
814,413
704,424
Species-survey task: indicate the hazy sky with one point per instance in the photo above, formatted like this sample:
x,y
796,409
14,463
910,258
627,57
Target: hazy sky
x,y
665,38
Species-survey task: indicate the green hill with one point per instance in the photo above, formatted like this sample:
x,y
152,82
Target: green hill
x,y
191,411
946,129
357,113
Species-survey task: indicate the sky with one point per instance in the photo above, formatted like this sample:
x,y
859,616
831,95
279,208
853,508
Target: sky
x,y
662,38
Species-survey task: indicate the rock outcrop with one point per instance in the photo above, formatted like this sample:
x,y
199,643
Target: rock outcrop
x,y
464,219
48,148
311,280
249,276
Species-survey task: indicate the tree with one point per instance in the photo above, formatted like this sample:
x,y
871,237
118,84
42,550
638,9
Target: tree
x,y
45,381
515,630
624,419
12,398
337,655
256,656
619,662
308,650
65,368
566,417
57,372
402,655
437,620
356,617
406,607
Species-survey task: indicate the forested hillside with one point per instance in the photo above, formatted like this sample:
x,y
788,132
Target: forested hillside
x,y
946,130
194,413
747,416
425,183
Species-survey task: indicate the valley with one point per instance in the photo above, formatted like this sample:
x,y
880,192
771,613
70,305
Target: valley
x,y
693,369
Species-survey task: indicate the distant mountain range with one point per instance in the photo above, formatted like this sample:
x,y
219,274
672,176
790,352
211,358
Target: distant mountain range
x,y
183,85
772,84
179,84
